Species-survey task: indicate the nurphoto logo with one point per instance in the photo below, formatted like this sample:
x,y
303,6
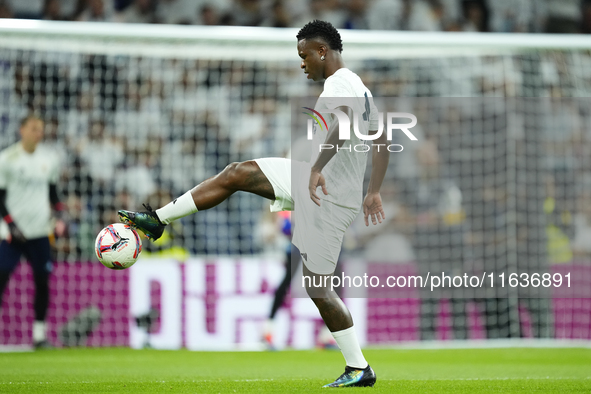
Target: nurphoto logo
x,y
317,120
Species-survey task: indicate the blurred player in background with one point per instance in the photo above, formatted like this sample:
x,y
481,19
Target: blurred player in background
x,y
321,220
28,178
283,221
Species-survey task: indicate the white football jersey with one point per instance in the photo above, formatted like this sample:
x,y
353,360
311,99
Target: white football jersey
x,y
26,178
345,171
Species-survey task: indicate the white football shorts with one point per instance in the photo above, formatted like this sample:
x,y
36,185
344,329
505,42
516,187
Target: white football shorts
x,y
318,230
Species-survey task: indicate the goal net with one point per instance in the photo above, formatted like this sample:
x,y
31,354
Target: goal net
x,y
499,181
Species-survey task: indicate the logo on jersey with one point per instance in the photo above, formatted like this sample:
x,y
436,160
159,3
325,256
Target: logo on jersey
x,y
345,127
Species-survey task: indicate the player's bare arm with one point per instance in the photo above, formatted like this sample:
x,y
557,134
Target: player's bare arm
x,y
372,204
316,177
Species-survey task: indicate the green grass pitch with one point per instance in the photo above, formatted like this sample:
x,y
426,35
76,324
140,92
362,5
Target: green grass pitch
x,y
120,370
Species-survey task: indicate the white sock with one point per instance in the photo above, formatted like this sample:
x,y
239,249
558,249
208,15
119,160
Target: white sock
x,y
39,331
325,336
347,341
180,207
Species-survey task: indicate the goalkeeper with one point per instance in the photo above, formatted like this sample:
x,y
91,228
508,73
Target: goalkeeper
x,y
28,177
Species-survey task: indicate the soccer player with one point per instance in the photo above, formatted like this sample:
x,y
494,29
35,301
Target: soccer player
x,y
28,177
320,218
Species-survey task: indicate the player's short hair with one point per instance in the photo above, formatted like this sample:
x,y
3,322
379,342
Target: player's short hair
x,y
323,30
30,117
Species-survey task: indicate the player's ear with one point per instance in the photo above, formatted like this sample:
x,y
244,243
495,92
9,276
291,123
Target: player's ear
x,y
322,50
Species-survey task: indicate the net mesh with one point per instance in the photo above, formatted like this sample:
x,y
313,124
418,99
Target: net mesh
x,y
140,128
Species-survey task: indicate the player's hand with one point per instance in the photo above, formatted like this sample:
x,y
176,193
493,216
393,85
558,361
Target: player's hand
x,y
316,179
372,207
16,234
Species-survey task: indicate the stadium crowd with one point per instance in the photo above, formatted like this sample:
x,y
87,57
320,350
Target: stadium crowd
x,y
551,16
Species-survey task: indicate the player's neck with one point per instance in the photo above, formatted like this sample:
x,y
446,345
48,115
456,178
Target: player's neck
x,y
29,148
332,67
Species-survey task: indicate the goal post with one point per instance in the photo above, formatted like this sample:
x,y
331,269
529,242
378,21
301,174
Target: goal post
x,y
188,41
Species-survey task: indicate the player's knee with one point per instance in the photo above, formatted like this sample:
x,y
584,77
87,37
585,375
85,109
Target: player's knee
x,y
318,293
230,174
236,173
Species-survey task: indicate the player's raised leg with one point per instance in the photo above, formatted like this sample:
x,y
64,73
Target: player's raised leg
x,y
338,319
244,176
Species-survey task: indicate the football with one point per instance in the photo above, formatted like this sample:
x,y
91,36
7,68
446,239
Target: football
x,y
118,246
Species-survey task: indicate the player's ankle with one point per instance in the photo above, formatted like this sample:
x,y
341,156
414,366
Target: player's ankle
x,y
178,208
